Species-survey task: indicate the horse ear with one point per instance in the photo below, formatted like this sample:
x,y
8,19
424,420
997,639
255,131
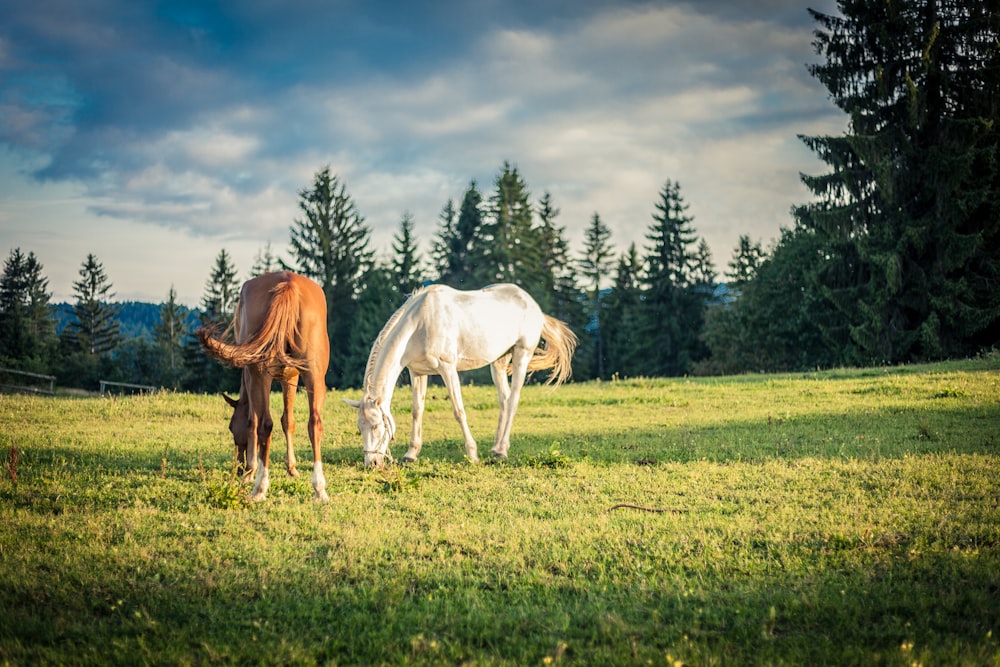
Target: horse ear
x,y
352,403
232,401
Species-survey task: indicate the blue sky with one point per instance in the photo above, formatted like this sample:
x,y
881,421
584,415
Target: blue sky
x,y
155,134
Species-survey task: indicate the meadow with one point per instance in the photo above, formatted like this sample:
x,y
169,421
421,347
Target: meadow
x,y
840,517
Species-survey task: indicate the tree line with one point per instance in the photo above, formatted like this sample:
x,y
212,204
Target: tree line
x,y
896,259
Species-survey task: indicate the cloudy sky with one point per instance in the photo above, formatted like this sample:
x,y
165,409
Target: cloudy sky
x,y
155,134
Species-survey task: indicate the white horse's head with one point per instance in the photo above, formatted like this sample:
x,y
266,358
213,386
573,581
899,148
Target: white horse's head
x,y
377,427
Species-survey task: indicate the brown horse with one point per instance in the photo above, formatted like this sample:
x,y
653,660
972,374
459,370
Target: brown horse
x,y
280,327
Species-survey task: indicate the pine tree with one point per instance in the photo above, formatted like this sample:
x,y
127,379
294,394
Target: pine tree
x,y
95,326
171,335
222,291
26,324
595,265
510,242
459,250
332,245
379,298
407,275
218,305
775,323
910,214
442,252
703,275
624,349
674,306
264,262
747,258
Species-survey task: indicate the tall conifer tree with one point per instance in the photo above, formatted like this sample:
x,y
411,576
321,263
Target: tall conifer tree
x,y
95,328
910,213
674,305
510,243
407,273
458,251
595,265
332,245
26,325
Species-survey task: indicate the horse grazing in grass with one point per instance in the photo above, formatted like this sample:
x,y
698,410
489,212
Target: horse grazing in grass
x,y
280,332
441,331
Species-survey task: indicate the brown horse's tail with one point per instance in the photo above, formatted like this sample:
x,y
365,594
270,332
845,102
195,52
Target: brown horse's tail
x,y
560,343
273,345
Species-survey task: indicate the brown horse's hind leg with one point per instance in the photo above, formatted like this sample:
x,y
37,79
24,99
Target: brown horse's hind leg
x,y
317,396
260,408
288,386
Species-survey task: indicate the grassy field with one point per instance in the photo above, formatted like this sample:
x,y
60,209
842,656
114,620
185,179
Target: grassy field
x,y
842,517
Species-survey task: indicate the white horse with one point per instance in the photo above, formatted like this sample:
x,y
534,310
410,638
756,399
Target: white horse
x,y
441,331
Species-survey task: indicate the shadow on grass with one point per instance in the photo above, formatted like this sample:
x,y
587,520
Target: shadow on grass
x,y
832,436
895,610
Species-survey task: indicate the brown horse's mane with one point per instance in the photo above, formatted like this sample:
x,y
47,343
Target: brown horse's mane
x,y
377,345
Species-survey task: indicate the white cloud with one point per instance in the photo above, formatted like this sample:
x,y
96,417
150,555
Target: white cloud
x,y
599,111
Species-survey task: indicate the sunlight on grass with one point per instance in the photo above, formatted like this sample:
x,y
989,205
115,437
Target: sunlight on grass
x,y
839,517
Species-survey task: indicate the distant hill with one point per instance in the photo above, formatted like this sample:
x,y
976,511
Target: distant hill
x,y
136,319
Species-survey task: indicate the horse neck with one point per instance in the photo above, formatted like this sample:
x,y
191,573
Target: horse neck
x,y
387,363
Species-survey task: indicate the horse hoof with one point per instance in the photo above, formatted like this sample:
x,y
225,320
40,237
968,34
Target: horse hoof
x,y
498,456
407,459
322,497
292,472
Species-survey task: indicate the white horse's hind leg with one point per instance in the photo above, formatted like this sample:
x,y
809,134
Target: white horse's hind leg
x,y
450,377
419,386
498,369
262,484
519,362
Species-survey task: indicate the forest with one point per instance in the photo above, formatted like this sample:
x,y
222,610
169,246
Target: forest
x,y
896,258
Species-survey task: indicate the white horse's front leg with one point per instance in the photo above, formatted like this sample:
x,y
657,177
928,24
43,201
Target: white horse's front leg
x,y
263,482
419,386
450,377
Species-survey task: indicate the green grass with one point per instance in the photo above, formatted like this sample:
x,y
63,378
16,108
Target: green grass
x,y
843,517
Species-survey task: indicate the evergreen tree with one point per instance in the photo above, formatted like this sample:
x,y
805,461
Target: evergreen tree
x,y
624,349
171,336
26,323
95,327
553,256
442,254
675,304
458,250
218,305
264,262
909,217
510,243
703,275
747,258
775,322
332,245
407,276
379,298
595,264
222,291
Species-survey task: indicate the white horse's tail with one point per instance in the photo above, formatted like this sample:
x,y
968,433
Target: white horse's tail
x,y
560,344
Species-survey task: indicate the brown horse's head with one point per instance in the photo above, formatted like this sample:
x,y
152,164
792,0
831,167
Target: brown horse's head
x,y
239,426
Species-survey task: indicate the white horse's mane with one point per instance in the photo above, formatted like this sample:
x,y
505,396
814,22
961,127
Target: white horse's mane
x,y
377,345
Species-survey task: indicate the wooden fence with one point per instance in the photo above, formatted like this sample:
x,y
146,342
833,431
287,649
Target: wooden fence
x,y
140,388
21,378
